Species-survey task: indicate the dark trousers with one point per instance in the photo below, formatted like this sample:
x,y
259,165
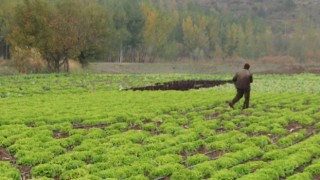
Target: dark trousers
x,y
240,93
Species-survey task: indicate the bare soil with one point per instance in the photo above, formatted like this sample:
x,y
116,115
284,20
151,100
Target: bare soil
x,y
265,65
182,85
5,155
24,170
60,135
87,126
293,127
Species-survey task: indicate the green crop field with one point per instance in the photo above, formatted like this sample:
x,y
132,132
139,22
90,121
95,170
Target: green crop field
x,y
86,126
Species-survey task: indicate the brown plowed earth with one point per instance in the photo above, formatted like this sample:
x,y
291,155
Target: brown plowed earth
x,y
182,85
24,170
5,155
88,126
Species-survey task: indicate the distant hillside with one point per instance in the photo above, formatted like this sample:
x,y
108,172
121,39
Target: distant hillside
x,y
273,11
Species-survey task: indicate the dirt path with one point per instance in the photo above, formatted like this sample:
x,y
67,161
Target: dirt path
x,y
203,68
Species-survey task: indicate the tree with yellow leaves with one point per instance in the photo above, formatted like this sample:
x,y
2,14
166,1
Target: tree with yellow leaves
x,y
157,29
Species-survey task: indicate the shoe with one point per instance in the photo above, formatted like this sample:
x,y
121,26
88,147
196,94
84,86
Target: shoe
x,y
231,105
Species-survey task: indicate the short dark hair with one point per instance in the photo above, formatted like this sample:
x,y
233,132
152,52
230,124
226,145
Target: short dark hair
x,y
246,66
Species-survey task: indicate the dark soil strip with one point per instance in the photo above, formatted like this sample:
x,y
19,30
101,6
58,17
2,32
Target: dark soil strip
x,y
24,170
134,127
212,116
182,85
293,127
60,135
87,126
317,177
5,155
70,148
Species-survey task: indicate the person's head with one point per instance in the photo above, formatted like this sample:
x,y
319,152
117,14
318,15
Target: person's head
x,y
246,66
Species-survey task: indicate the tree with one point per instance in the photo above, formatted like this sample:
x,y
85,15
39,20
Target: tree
x,y
135,26
158,27
29,27
59,32
249,38
196,36
87,31
6,9
233,37
213,32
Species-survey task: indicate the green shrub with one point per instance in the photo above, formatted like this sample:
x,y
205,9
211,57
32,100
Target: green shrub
x,y
270,147
313,169
192,146
47,170
149,127
243,169
226,162
238,147
196,159
150,154
117,172
317,126
165,170
300,176
291,138
224,174
278,131
91,177
142,166
42,178
34,158
229,125
8,172
260,141
118,126
171,150
137,177
218,146
274,155
57,150
166,159
73,164
96,133
261,174
73,174
186,174
188,136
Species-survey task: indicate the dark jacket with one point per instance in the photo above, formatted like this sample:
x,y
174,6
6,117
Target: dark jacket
x,y
242,79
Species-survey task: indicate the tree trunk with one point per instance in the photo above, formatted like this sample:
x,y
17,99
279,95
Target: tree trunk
x,y
56,66
82,60
67,64
121,54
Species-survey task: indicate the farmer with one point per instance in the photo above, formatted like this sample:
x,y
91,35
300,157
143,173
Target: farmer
x,y
242,80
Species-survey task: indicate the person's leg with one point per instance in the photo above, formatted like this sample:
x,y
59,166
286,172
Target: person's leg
x,y
237,97
246,99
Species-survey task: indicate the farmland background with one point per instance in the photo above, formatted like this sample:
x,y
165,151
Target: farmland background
x,y
75,126
48,36
67,111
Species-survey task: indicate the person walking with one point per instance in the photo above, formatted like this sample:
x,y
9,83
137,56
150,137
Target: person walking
x,y
242,80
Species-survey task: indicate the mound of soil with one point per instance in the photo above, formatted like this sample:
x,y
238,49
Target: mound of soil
x,y
182,85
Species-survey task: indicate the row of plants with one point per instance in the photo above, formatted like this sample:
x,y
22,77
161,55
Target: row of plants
x,y
8,172
28,85
149,135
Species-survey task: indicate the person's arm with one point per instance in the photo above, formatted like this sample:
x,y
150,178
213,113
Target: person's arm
x,y
251,78
234,79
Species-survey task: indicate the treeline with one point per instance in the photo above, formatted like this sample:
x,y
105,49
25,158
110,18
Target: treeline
x,y
56,31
